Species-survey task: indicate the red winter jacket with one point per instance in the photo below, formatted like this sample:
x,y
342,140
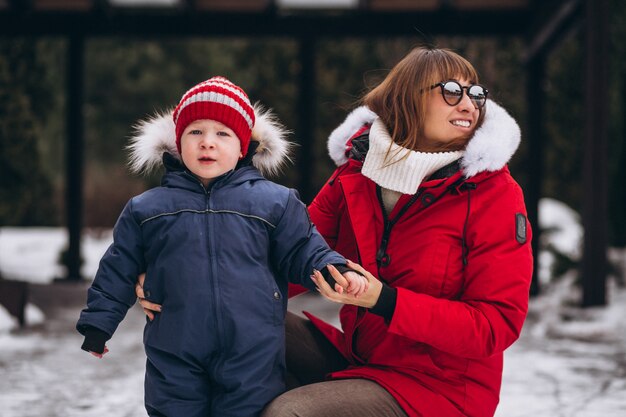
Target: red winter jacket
x,y
461,261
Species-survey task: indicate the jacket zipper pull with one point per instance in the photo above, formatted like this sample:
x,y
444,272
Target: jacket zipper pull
x,y
382,257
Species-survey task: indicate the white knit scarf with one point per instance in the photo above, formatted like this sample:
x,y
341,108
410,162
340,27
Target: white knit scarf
x,y
405,175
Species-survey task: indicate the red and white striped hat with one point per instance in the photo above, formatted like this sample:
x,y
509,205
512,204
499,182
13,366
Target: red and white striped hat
x,y
217,99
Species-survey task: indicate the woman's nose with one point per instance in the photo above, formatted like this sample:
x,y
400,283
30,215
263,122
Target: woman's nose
x,y
466,104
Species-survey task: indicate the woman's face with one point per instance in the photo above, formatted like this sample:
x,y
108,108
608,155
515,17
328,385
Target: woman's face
x,y
445,124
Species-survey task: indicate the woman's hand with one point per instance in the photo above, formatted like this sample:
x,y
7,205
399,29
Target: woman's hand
x,y
148,307
367,299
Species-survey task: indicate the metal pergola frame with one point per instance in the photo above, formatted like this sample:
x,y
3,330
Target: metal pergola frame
x,y
541,23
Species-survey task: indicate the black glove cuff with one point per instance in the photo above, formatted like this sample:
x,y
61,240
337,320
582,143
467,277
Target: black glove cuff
x,y
95,340
386,304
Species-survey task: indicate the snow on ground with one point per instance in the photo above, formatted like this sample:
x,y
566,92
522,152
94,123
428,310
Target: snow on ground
x,y
45,374
32,254
569,362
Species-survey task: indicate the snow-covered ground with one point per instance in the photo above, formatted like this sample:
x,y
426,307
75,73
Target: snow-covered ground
x,y
569,362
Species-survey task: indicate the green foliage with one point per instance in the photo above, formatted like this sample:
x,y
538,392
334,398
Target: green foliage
x,y
345,69
129,79
25,191
565,118
51,135
565,123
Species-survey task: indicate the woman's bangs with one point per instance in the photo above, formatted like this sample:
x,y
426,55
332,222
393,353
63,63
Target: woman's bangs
x,y
454,69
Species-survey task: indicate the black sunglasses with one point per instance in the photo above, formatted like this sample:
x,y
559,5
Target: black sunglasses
x,y
452,93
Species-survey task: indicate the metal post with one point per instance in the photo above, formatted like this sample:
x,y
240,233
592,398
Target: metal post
x,y
306,119
551,25
535,97
594,266
74,154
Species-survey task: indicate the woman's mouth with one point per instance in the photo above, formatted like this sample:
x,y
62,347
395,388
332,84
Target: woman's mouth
x,y
461,123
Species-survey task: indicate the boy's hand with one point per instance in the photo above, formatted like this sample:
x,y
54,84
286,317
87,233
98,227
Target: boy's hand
x,y
357,283
368,299
100,355
349,283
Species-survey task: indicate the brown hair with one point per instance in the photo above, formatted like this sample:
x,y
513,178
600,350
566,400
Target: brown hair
x,y
400,102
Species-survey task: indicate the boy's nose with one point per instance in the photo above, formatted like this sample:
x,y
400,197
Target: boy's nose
x,y
207,142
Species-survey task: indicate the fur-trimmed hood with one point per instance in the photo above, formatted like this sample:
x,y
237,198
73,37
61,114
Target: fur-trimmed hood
x,y
157,135
490,149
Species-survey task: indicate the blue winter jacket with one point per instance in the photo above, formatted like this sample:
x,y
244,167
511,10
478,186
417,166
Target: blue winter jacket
x,y
218,260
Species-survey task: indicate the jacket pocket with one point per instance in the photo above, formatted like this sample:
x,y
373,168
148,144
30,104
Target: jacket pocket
x,y
445,279
275,299
277,303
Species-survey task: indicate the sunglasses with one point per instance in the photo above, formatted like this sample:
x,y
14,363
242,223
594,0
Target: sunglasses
x,y
452,93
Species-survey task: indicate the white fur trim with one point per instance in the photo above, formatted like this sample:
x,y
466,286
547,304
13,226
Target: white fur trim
x,y
157,135
490,149
152,138
274,150
493,144
339,137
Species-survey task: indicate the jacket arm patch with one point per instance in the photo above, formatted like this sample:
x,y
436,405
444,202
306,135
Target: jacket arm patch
x,y
520,228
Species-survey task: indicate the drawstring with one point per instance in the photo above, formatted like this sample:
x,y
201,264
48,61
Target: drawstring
x,y
465,250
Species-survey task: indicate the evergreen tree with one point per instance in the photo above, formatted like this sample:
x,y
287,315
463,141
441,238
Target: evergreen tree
x,y
25,191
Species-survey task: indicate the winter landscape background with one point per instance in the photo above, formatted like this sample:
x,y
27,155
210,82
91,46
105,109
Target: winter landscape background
x,y
569,362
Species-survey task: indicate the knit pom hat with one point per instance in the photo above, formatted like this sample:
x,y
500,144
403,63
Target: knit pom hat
x,y
217,99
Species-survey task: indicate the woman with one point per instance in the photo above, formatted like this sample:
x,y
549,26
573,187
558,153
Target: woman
x,y
422,198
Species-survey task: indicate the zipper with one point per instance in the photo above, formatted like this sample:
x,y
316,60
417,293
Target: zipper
x,y
212,274
383,259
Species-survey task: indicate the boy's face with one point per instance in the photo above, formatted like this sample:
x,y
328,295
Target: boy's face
x,y
209,149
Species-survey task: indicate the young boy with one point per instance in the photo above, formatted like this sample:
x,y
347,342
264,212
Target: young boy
x,y
218,243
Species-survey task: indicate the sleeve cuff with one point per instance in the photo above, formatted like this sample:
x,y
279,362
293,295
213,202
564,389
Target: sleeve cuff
x,y
386,304
95,340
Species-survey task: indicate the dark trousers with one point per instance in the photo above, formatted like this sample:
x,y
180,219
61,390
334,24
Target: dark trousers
x,y
310,357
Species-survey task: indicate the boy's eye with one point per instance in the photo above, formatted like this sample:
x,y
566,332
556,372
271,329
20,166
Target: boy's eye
x,y
223,133
195,132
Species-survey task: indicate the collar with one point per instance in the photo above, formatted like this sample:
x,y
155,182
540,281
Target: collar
x,y
489,150
399,169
